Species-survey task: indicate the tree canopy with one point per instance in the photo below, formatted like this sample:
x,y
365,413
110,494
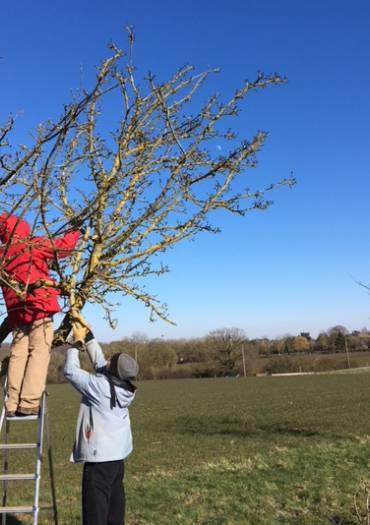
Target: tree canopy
x,y
135,163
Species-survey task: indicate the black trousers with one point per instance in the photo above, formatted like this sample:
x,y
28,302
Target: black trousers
x,y
103,495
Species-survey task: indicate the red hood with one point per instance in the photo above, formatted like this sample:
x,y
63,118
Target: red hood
x,y
10,224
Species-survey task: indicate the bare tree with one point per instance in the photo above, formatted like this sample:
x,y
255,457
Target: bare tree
x,y
136,163
227,346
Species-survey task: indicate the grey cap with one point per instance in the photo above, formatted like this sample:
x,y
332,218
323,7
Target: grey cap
x,y
124,366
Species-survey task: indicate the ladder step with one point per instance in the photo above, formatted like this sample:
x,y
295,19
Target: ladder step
x,y
17,477
24,510
15,510
5,477
9,446
22,418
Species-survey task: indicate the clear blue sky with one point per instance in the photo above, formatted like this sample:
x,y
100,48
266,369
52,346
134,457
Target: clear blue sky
x,y
292,268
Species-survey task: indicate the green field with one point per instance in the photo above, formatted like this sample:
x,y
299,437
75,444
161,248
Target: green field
x,y
229,451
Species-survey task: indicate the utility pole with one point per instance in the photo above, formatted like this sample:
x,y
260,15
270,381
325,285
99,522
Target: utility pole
x,y
245,371
347,353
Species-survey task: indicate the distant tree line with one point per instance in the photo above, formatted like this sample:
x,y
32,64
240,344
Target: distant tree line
x,y
228,352
334,340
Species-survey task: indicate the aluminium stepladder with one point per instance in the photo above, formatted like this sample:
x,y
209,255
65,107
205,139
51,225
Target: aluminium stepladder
x,y
5,477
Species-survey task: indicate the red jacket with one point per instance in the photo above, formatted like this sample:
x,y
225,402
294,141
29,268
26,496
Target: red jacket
x,y
26,260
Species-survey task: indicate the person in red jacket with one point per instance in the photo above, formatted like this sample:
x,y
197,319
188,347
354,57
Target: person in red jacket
x,y
25,260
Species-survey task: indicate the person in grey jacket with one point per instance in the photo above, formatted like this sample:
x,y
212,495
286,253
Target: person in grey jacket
x,y
103,432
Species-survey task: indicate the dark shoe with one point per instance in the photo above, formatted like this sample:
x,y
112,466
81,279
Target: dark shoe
x,y
23,412
4,365
10,413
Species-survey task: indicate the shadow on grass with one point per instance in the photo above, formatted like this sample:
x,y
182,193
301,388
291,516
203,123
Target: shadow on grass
x,y
342,520
12,520
238,427
287,430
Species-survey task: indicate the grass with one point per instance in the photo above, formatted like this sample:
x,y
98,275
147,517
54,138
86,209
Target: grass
x,y
227,451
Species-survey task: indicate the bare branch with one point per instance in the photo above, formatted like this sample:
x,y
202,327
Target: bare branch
x,y
141,178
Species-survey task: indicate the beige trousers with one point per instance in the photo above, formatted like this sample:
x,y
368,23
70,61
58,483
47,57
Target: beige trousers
x,y
28,364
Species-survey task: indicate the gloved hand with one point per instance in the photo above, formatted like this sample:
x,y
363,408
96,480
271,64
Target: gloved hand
x,y
79,332
80,329
77,224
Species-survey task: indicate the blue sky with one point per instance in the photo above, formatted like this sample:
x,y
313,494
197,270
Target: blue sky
x,y
294,267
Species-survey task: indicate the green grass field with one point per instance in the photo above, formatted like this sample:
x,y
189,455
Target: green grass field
x,y
228,451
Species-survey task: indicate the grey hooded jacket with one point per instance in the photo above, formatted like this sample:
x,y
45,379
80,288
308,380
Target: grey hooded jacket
x,y
102,433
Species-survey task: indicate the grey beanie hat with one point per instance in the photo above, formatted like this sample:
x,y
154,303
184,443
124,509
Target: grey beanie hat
x,y
123,366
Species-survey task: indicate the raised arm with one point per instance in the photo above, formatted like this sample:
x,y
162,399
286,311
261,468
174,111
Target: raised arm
x,y
82,381
95,352
83,337
59,247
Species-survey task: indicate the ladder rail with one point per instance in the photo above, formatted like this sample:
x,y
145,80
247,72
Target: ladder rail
x,y
42,432
40,441
5,470
5,457
51,468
